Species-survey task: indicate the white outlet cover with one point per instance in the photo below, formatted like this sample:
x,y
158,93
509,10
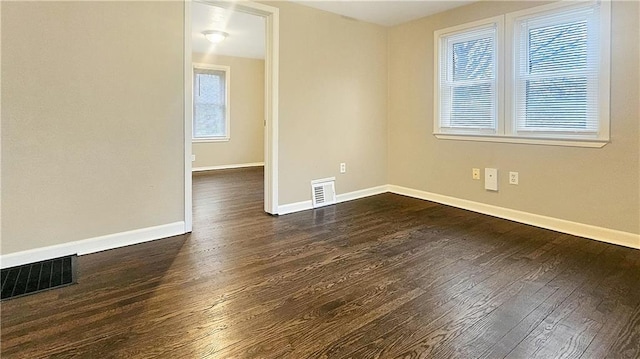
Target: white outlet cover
x,y
513,177
491,179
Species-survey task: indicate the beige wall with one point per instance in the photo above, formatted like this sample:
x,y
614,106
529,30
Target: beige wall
x,y
247,114
333,101
92,108
593,186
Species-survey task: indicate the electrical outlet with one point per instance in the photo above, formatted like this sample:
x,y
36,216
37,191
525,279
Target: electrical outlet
x,y
513,177
475,173
343,167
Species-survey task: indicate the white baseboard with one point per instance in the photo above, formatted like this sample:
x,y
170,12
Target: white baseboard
x,y
343,197
574,228
294,207
127,238
577,229
350,196
225,167
92,245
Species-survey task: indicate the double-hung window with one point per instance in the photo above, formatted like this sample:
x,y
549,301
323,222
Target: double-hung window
x,y
210,103
468,76
557,73
543,77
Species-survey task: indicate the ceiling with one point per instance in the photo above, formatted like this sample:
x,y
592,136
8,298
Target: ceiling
x,y
385,13
246,32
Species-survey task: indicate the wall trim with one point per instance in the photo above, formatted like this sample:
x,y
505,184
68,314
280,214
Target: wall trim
x,y
295,207
343,197
92,245
560,225
122,239
367,192
187,104
601,234
225,167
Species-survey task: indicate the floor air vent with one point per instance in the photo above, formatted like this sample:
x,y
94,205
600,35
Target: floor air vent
x,y
323,192
37,277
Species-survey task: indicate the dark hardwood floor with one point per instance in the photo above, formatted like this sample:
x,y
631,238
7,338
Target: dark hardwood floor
x,y
381,277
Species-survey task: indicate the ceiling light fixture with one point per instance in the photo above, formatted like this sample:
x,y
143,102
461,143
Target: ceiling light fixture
x,y
215,36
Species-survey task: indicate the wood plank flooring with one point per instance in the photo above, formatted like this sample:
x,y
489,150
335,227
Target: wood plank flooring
x,y
381,277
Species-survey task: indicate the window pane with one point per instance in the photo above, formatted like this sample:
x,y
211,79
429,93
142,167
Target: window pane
x,y
468,86
558,47
209,121
473,59
209,104
472,106
558,89
558,103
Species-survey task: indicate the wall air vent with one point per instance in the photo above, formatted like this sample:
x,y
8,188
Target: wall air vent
x,y
323,192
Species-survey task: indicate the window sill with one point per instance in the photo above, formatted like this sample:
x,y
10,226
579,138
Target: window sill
x,y
205,140
524,140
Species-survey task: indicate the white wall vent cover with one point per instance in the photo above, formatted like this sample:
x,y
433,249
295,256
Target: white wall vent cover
x,y
323,192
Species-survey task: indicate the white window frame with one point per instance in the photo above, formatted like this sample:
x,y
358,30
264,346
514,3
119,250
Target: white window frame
x,y
227,80
506,61
441,41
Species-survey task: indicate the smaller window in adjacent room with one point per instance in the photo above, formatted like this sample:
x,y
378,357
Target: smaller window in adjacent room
x,y
210,103
539,75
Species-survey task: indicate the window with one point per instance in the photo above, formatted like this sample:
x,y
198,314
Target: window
x,y
557,69
547,83
468,79
210,103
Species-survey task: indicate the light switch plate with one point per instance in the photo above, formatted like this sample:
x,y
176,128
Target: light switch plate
x,y
491,179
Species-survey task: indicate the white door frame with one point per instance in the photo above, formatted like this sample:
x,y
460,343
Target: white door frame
x,y
272,21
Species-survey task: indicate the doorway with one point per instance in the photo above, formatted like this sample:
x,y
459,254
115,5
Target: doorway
x,y
271,25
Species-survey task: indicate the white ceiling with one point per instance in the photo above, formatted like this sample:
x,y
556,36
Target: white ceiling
x,y
246,32
386,13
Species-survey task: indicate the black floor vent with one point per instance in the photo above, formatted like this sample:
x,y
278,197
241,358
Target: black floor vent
x,y
37,277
